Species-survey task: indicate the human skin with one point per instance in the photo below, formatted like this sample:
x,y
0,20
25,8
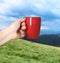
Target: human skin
x,y
11,31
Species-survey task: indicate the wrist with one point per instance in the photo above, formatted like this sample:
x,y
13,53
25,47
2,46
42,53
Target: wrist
x,y
6,31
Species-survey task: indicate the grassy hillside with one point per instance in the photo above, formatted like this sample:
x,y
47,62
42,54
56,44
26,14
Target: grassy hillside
x,y
22,51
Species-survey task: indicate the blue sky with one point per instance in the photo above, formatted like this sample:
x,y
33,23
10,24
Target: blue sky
x,y
48,10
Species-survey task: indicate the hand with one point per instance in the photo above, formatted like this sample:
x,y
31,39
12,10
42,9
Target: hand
x,y
16,31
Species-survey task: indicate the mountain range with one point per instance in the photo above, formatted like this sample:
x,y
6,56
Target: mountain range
x,y
49,39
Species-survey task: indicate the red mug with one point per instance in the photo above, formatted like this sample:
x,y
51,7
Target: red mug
x,y
33,25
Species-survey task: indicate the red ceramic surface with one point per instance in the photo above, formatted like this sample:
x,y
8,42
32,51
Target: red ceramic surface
x,y
33,27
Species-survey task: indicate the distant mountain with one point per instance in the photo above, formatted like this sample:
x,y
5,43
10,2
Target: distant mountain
x,y
51,39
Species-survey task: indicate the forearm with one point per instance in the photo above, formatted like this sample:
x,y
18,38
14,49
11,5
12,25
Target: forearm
x,y
5,39
4,35
11,31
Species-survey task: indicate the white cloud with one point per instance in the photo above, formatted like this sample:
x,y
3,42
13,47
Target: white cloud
x,y
56,11
42,6
7,5
44,28
3,8
38,6
52,25
7,18
11,8
33,15
16,3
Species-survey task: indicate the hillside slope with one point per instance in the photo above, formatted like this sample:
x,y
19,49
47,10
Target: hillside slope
x,y
22,51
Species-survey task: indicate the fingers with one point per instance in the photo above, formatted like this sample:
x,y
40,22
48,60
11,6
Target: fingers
x,y
23,26
21,33
22,30
21,20
23,23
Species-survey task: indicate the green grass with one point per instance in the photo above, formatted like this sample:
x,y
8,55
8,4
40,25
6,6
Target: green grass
x,y
22,51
